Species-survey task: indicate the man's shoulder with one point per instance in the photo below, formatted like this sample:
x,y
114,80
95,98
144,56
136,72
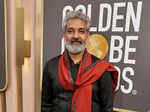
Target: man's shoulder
x,y
94,58
56,58
53,61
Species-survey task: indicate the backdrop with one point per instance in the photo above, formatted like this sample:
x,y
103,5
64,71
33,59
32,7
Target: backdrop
x,y
120,34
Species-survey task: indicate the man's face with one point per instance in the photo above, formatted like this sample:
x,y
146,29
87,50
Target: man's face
x,y
76,35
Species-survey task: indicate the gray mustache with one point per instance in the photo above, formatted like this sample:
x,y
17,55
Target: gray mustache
x,y
76,40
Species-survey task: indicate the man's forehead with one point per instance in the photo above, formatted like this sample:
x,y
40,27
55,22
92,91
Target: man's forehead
x,y
76,22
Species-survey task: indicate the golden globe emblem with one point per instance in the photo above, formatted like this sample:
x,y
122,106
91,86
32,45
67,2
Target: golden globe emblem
x,y
97,45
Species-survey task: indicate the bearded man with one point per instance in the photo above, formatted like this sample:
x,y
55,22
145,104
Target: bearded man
x,y
77,81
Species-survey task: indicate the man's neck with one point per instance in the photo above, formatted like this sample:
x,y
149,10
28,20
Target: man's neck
x,y
76,58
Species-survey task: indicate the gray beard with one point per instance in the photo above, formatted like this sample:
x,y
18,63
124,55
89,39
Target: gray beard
x,y
74,49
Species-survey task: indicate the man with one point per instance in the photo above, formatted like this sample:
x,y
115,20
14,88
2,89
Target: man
x,y
77,81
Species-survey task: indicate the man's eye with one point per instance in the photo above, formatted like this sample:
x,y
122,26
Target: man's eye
x,y
82,31
69,31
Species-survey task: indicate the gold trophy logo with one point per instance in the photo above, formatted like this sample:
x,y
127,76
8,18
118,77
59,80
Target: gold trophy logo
x,y
97,45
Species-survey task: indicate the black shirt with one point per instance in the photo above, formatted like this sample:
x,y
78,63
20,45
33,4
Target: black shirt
x,y
74,69
56,99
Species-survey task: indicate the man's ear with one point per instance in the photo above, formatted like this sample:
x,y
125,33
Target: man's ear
x,y
88,34
63,34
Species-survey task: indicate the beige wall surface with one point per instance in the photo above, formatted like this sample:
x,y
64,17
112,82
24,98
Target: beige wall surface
x,y
11,93
23,92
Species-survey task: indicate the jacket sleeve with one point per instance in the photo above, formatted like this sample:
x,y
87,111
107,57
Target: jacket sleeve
x,y
46,98
106,92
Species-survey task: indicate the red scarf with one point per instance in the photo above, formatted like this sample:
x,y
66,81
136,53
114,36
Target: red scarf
x,y
87,74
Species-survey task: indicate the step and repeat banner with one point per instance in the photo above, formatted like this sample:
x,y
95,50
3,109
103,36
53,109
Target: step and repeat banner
x,y
119,34
3,75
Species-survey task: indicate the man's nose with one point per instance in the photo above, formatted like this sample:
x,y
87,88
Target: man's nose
x,y
76,34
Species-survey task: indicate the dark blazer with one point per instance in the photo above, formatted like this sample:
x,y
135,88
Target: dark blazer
x,y
56,99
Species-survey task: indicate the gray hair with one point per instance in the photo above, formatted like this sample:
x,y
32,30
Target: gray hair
x,y
76,14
